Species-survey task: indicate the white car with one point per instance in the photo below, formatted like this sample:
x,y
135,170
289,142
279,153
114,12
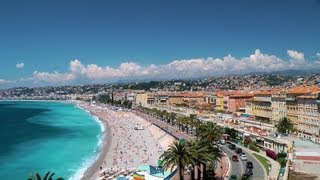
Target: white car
x,y
222,141
243,157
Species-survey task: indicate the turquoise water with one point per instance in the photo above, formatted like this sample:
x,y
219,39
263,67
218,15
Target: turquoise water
x,y
46,136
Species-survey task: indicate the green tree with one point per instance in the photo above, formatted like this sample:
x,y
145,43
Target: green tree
x,y
48,176
177,155
284,125
231,132
172,117
202,155
192,121
210,132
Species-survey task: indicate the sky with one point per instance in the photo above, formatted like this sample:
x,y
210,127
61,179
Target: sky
x,y
78,42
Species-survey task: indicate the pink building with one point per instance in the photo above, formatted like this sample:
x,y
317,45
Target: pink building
x,y
236,101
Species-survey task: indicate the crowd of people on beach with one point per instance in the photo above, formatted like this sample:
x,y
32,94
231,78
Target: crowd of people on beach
x,y
129,147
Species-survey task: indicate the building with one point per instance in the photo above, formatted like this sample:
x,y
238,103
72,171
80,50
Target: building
x,y
161,99
119,95
219,101
225,103
237,100
175,100
309,116
210,99
292,103
248,105
261,106
278,106
141,99
130,96
193,99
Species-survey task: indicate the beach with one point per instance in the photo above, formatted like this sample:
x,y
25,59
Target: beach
x,y
128,142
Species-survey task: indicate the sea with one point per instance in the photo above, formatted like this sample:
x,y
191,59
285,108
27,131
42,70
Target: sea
x,y
42,136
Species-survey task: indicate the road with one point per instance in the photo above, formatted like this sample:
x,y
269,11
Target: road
x,y
238,168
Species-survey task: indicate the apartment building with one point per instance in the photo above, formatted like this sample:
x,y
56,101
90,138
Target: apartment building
x,y
292,103
237,100
175,100
261,106
309,116
278,106
141,99
193,99
219,101
161,99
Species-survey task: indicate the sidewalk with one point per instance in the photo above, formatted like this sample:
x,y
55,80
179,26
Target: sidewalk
x,y
225,167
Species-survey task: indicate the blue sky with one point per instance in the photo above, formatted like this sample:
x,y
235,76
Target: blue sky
x,y
47,37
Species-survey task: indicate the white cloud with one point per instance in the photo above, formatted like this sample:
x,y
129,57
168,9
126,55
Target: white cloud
x,y
54,77
185,68
318,54
296,58
19,65
295,55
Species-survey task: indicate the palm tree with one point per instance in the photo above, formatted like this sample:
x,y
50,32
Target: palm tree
x,y
172,117
48,176
197,125
210,132
202,155
180,121
178,155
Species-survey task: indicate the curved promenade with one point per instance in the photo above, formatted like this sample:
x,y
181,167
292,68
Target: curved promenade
x,y
174,131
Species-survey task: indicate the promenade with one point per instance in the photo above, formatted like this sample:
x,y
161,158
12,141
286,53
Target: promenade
x,y
220,172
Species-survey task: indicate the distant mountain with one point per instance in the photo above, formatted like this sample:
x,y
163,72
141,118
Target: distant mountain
x,y
296,72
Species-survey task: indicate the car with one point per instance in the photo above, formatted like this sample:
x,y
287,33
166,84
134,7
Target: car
x,y
249,165
249,172
243,157
232,146
235,158
233,177
238,150
222,141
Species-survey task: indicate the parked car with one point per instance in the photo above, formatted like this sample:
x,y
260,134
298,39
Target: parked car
x,y
232,146
249,172
235,158
243,157
233,177
222,141
238,150
249,165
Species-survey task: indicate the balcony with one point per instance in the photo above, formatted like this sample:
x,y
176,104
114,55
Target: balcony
x,y
263,99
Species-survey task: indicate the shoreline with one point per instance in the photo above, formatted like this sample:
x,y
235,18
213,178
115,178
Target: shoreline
x,y
123,148
106,142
